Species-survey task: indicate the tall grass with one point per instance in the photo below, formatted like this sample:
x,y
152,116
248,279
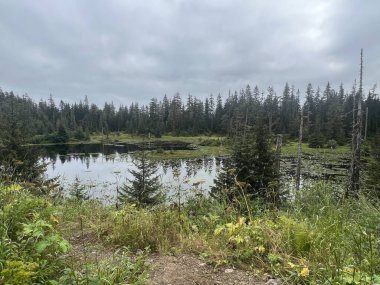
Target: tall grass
x,y
318,238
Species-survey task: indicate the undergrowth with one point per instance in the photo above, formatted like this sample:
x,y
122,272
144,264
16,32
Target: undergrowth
x,y
318,238
34,251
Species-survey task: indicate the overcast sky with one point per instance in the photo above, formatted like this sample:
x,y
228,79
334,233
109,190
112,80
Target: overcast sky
x,y
125,51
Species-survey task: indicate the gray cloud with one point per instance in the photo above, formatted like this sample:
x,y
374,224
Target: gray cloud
x,y
134,50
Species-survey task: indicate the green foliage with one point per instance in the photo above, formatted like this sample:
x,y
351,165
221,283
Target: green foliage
x,y
224,183
80,135
121,269
77,191
319,239
373,171
19,272
140,228
144,188
211,142
328,115
316,141
61,136
31,250
332,144
251,171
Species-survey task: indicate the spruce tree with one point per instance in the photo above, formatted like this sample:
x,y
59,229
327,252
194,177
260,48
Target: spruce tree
x,y
17,162
252,168
144,189
78,191
224,188
372,180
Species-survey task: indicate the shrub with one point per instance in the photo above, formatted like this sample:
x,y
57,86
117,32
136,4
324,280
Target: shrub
x,y
140,228
332,144
30,248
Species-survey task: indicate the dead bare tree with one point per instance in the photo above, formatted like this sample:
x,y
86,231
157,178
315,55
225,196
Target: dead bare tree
x,y
299,160
366,124
357,136
278,152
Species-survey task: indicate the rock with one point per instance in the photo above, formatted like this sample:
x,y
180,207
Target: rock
x,y
273,282
228,270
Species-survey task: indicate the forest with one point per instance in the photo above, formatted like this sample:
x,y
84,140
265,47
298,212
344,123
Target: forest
x,y
251,222
327,112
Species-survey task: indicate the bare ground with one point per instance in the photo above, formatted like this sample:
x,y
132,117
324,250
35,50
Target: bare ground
x,y
190,270
184,269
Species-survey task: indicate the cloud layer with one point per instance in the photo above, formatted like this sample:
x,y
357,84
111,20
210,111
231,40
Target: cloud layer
x,y
125,51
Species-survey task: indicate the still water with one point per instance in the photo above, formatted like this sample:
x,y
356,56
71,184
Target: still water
x,y
103,169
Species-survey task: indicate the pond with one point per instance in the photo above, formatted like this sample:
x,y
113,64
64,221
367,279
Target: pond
x,y
102,169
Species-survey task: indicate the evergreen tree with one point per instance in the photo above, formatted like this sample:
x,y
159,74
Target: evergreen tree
x,y
316,138
77,191
144,188
61,136
373,170
17,162
251,168
224,187
254,161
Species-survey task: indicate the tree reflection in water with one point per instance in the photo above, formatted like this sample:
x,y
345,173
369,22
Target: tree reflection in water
x,y
96,165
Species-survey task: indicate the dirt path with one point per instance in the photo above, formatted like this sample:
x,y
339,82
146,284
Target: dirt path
x,y
183,269
190,270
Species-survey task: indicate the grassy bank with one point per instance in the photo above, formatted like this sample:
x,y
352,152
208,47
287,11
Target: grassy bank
x,y
291,149
315,239
133,138
36,247
212,145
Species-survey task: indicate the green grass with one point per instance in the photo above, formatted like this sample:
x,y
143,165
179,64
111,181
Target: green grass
x,y
207,148
201,151
291,148
35,248
315,239
129,138
318,238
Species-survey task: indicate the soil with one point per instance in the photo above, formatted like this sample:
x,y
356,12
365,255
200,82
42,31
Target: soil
x,y
190,270
184,269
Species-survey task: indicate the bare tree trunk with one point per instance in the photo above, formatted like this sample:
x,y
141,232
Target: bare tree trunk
x,y
299,162
357,137
366,124
353,137
278,153
246,123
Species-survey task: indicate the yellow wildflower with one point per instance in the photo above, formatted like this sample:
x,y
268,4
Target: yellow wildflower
x,y
291,264
304,272
13,188
54,219
240,222
260,249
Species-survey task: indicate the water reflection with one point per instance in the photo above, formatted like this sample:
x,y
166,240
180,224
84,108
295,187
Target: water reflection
x,y
102,173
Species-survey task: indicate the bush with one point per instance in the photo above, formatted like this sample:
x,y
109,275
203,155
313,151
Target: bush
x,y
30,248
210,142
80,135
140,228
332,144
315,141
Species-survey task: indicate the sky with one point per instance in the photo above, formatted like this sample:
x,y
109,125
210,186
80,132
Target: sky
x,y
130,51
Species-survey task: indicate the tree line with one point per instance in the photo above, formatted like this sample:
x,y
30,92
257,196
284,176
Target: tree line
x,y
327,115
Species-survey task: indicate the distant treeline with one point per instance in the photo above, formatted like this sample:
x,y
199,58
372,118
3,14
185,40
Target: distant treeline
x,y
327,115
